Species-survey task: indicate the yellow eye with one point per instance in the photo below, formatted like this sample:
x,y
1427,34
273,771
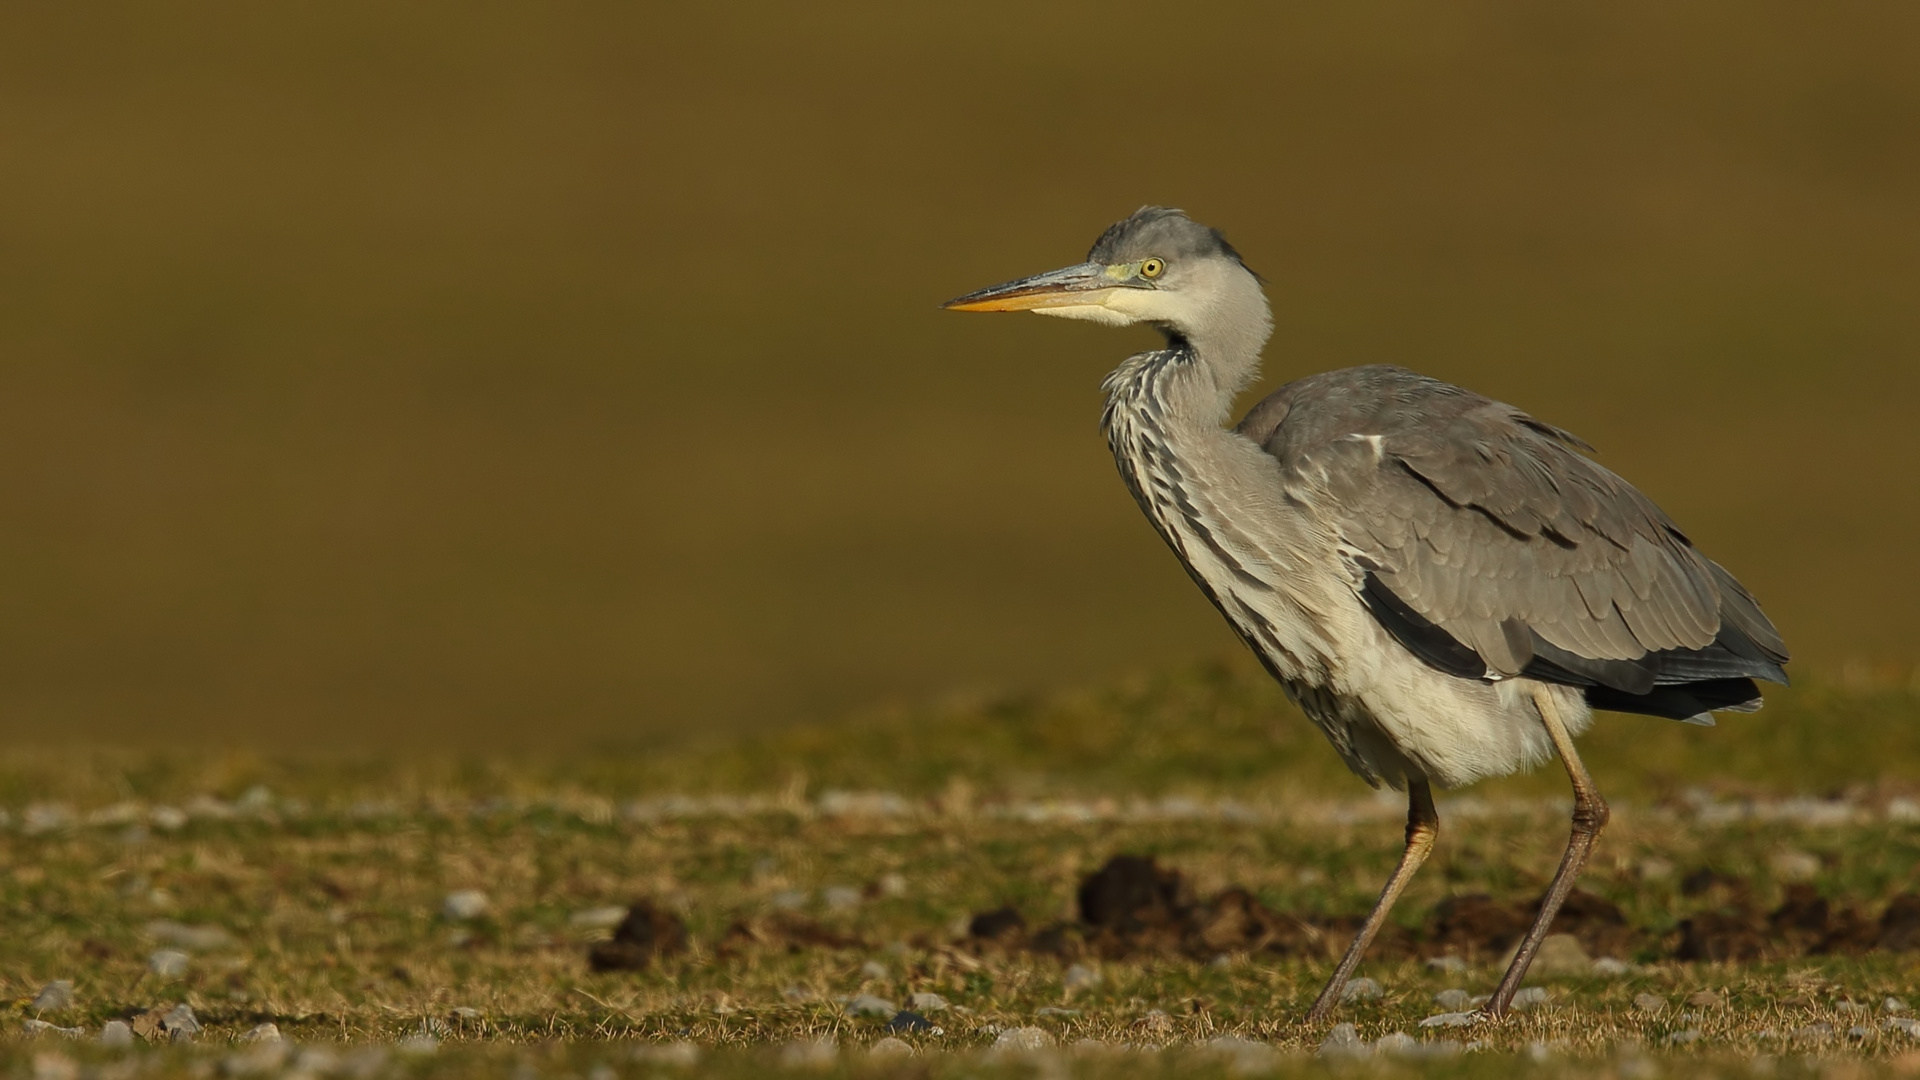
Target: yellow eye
x,y
1151,268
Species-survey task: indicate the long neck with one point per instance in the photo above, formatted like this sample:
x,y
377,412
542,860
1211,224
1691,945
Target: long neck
x,y
1214,348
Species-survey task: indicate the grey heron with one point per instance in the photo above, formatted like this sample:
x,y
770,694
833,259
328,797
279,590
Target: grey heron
x,y
1446,586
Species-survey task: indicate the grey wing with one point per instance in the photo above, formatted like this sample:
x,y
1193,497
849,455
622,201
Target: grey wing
x,y
1490,547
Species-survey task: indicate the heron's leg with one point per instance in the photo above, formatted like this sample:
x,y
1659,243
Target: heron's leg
x,y
1589,817
1423,824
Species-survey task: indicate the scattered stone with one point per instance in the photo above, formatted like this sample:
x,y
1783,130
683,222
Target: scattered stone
x,y
1893,1006
1450,1019
464,905
1344,1041
189,938
890,1047
167,818
1707,999
418,1044
840,897
465,1014
1682,1038
168,963
1361,989
1903,1024
116,1035
1794,865
1649,1002
1813,1033
1452,999
267,1032
32,1028
874,969
911,1022
1849,1007
1080,977
1532,997
870,1005
1055,1010
1560,956
788,900
927,1002
181,1021
891,885
1610,967
1021,1040
1396,1043
53,997
1858,1032
810,1054
599,918
1447,965
644,933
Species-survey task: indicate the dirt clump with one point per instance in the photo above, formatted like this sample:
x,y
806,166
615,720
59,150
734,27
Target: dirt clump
x,y
646,933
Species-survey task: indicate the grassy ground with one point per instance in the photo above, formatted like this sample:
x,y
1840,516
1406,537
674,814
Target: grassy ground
x,y
816,866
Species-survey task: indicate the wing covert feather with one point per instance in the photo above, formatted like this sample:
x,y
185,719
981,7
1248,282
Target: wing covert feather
x,y
1494,528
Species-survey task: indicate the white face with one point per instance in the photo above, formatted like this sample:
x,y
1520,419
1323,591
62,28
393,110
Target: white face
x,y
1174,300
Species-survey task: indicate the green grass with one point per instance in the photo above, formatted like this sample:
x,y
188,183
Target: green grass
x,y
330,875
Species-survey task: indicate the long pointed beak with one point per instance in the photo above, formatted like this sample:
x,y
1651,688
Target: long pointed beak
x,y
1086,285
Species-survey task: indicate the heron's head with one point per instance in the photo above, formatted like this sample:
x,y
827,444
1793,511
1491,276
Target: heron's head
x,y
1158,266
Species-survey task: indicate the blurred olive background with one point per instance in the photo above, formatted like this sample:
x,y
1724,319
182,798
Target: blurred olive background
x,y
572,374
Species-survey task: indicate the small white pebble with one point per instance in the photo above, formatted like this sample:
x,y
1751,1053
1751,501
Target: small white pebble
x,y
1397,1043
840,897
465,1014
1449,1019
1893,1006
1903,1024
1682,1038
1610,967
1452,999
927,1003
1450,965
117,1035
181,1019
168,963
1849,1008
1080,977
874,969
1530,998
1649,1002
1022,1040
54,996
890,1047
462,905
1344,1041
892,885
1361,989
871,1005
